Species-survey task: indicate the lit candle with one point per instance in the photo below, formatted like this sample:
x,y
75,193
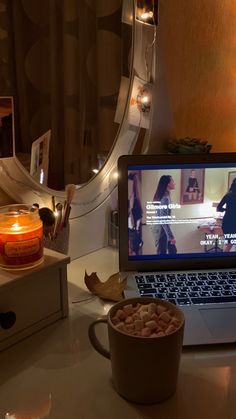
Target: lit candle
x,y
21,237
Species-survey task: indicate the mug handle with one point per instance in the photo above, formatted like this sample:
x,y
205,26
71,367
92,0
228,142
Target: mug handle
x,y
94,340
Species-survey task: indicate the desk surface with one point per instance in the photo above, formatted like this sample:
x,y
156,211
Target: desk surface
x,y
57,374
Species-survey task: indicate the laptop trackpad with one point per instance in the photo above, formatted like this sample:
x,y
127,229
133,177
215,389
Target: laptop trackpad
x,y
221,321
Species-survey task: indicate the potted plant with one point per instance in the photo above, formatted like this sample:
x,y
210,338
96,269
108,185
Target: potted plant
x,y
188,146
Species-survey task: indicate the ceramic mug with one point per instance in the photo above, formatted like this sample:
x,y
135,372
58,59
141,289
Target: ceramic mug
x,y
144,369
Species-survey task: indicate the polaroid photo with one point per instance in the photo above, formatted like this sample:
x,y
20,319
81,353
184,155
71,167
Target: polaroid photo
x,y
40,158
127,12
140,103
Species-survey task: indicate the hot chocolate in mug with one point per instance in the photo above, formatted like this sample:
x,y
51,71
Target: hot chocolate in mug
x,y
145,345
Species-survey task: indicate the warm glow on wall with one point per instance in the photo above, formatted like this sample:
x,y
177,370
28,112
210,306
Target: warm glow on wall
x,y
198,98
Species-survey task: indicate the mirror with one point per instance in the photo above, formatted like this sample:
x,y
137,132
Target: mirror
x,y
6,127
63,64
94,200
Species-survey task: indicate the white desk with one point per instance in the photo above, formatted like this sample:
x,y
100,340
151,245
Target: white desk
x,y
60,362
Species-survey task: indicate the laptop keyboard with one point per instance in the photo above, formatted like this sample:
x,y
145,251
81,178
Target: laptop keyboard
x,y
189,288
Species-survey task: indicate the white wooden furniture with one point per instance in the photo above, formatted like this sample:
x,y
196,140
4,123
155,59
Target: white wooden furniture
x,y
36,297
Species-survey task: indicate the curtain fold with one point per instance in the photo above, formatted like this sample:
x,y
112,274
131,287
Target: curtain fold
x,y
66,65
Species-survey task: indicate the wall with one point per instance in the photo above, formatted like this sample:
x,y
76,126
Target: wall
x,y
195,90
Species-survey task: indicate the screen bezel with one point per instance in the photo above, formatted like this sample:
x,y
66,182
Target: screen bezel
x,y
176,264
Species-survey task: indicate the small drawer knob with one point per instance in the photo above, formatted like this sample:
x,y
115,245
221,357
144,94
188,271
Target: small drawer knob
x,y
7,320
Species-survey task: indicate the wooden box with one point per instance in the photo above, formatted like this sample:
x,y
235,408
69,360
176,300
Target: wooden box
x,y
37,296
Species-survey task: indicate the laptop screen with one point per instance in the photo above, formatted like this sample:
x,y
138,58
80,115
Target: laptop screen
x,y
177,211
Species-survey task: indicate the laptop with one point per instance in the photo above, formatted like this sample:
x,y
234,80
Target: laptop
x,y
177,237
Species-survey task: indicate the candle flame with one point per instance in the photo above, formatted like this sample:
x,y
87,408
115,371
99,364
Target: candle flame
x,y
16,227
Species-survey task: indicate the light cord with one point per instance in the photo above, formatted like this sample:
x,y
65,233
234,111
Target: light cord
x,y
151,45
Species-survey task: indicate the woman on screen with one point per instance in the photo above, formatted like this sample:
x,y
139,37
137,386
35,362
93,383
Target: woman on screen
x,y
228,206
135,213
164,238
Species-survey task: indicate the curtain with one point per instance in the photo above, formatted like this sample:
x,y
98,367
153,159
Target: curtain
x,y
65,64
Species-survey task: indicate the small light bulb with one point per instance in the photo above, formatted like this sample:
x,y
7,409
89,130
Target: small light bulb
x,y
115,175
145,99
146,15
95,171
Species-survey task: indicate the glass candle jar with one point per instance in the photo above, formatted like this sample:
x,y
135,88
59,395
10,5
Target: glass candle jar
x,y
21,237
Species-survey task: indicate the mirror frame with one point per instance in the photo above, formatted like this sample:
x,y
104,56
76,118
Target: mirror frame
x,y
94,200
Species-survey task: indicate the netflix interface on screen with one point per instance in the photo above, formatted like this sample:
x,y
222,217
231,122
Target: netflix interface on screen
x,y
181,212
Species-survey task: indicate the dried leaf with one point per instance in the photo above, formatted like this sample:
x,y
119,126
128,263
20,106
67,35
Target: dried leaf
x,y
112,289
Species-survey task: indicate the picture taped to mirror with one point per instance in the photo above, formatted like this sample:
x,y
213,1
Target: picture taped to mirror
x,y
140,103
40,158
